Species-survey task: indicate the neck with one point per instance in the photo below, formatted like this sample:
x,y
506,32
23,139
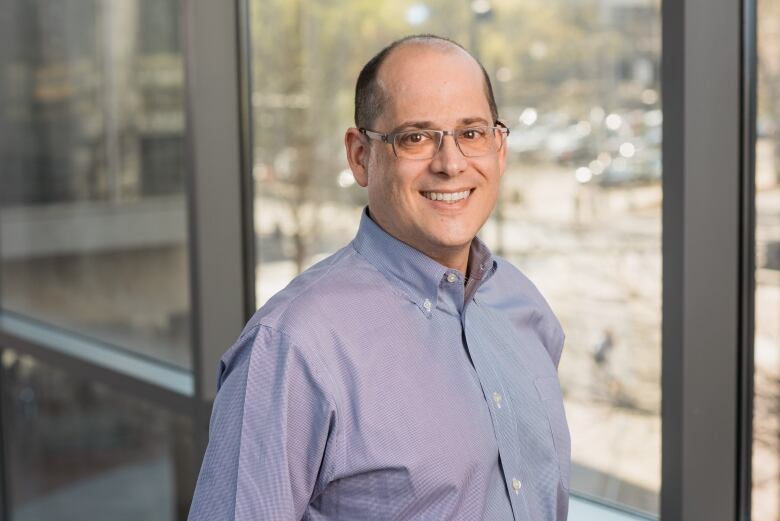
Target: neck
x,y
454,257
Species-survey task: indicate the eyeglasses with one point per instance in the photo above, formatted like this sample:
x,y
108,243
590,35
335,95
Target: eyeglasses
x,y
425,143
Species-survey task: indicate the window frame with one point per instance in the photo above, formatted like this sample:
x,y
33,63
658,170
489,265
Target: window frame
x,y
708,227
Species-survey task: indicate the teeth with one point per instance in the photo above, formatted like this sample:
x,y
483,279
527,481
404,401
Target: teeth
x,y
447,196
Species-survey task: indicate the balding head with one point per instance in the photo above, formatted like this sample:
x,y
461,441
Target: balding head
x,y
371,97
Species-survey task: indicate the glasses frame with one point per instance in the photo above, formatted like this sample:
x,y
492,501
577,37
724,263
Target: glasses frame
x,y
389,138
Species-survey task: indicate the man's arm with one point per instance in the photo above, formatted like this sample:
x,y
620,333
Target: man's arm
x,y
271,436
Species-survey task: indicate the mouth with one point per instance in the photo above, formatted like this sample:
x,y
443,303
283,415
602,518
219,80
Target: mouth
x,y
448,197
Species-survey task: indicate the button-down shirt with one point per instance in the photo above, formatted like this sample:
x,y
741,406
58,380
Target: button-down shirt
x,y
380,384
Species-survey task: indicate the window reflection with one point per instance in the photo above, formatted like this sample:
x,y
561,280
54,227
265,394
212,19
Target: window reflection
x,y
93,234
83,451
580,211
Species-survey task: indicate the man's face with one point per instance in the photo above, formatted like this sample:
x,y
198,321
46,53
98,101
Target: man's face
x,y
443,89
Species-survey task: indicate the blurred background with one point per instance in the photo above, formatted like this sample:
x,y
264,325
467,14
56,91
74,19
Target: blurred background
x,y
99,349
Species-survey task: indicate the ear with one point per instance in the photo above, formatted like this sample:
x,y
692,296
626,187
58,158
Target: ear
x,y
357,155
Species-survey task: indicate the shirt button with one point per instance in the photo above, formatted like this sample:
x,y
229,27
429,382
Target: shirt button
x,y
516,485
451,278
497,399
427,305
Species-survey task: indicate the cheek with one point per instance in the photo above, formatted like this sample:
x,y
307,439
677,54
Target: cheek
x,y
395,183
491,175
385,190
377,176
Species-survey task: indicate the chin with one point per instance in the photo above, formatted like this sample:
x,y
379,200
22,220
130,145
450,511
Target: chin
x,y
451,241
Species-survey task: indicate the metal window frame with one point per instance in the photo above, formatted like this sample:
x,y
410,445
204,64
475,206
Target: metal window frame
x,y
747,272
708,89
157,381
218,199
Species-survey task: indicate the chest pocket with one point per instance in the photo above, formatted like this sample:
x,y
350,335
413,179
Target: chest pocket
x,y
552,399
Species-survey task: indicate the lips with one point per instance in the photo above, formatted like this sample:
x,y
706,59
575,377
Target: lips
x,y
447,197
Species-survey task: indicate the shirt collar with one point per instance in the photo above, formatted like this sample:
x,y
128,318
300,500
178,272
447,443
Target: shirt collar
x,y
418,276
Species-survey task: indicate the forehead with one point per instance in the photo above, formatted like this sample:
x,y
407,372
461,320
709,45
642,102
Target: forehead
x,y
434,83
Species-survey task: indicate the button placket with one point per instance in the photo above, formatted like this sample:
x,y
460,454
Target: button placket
x,y
504,419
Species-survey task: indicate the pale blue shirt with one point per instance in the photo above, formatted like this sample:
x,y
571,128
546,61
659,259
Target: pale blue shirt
x,y
378,386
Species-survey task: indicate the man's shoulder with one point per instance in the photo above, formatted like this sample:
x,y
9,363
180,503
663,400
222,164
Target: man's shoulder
x,y
526,305
301,314
517,283
320,294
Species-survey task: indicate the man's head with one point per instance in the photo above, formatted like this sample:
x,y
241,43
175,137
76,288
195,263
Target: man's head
x,y
370,97
426,82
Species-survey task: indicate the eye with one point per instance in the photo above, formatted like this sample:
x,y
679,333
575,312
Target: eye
x,y
471,134
413,138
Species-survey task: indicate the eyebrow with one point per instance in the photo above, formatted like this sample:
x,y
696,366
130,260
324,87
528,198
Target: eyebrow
x,y
430,124
469,121
413,124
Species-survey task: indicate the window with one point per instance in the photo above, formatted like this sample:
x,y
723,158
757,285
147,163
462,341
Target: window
x,y
93,205
580,212
87,452
95,251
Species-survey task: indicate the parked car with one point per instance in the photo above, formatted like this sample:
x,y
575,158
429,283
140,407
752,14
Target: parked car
x,y
643,168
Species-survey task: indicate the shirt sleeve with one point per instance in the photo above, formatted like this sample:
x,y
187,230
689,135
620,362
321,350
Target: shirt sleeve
x,y
549,327
272,435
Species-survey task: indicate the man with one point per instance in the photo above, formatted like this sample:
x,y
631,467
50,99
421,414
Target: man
x,y
411,375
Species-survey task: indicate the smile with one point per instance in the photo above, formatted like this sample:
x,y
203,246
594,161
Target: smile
x,y
447,197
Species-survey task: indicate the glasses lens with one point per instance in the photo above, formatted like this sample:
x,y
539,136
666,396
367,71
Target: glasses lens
x,y
478,141
417,144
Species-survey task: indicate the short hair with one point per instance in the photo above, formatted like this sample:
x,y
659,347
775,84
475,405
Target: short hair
x,y
370,97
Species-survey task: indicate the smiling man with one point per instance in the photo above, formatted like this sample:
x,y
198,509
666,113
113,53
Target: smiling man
x,y
413,374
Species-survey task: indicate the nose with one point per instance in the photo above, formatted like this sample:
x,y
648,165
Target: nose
x,y
448,159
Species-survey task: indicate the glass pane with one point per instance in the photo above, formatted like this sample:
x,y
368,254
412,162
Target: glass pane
x,y
79,450
580,212
93,209
766,419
